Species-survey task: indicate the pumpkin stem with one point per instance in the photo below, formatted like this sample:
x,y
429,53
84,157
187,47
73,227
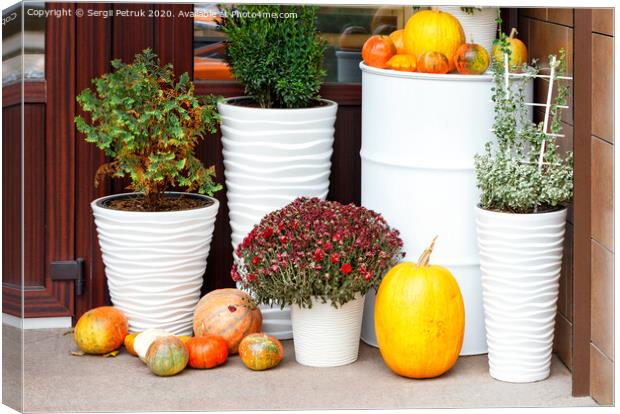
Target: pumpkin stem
x,y
513,32
426,255
435,9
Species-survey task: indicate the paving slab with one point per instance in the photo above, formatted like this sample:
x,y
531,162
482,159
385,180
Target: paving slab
x,y
57,381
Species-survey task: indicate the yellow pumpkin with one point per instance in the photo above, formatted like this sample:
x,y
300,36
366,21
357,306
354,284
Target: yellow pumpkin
x,y
419,319
433,30
405,63
518,52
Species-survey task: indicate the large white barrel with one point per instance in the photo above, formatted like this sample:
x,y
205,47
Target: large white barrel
x,y
420,133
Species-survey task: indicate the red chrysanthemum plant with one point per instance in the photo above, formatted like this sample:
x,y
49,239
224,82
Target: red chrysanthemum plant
x,y
316,250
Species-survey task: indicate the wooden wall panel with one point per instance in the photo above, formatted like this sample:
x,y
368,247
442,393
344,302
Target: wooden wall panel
x,y
603,86
173,38
345,178
582,73
602,384
93,55
34,196
11,198
602,207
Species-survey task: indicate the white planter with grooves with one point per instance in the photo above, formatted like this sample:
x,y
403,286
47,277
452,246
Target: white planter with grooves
x,y
155,262
521,262
479,27
271,157
325,336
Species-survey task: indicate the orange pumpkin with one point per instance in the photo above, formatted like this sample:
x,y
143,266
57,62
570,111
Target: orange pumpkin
x,y
518,51
378,50
405,63
101,330
433,62
433,30
129,340
260,351
398,40
471,59
229,313
207,351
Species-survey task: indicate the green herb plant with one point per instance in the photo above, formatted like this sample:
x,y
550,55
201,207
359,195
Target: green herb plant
x,y
148,125
276,53
508,173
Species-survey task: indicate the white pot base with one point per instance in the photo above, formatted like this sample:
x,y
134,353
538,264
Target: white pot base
x,y
325,336
521,261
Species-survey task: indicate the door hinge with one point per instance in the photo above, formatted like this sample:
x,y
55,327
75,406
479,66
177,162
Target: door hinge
x,y
70,270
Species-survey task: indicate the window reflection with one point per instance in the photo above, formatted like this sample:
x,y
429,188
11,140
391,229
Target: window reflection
x,y
345,29
33,37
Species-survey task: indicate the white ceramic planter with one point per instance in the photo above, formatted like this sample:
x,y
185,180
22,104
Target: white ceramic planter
x,y
325,336
521,261
271,157
155,262
479,27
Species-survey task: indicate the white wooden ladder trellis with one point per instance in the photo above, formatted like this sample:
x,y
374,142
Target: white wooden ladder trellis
x,y
552,78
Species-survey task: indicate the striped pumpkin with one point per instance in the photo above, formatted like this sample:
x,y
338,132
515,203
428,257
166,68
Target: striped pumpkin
x,y
229,313
260,351
167,356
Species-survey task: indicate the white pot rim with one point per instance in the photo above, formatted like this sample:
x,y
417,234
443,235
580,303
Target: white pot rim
x,y
389,73
548,213
97,205
227,102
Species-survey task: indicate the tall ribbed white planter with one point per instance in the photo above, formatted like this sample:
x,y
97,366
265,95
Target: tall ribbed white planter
x,y
325,336
479,27
521,261
418,172
155,261
271,157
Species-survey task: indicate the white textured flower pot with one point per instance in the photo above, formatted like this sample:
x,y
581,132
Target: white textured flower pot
x,y
325,336
479,27
155,262
420,133
271,157
521,261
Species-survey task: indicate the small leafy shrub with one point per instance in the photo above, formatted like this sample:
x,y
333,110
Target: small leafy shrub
x,y
149,126
278,59
508,173
316,248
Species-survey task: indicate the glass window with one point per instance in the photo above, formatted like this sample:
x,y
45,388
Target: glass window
x,y
33,38
345,29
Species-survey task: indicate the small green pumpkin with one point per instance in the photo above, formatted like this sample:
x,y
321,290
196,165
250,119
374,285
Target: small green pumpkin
x,y
167,356
260,351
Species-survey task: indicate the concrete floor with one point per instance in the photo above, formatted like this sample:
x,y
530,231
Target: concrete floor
x,y
57,381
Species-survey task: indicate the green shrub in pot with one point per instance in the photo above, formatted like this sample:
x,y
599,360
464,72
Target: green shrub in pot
x,y
149,125
154,241
277,59
278,139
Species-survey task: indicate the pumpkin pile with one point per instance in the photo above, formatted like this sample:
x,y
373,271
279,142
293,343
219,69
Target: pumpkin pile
x,y
226,321
433,41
